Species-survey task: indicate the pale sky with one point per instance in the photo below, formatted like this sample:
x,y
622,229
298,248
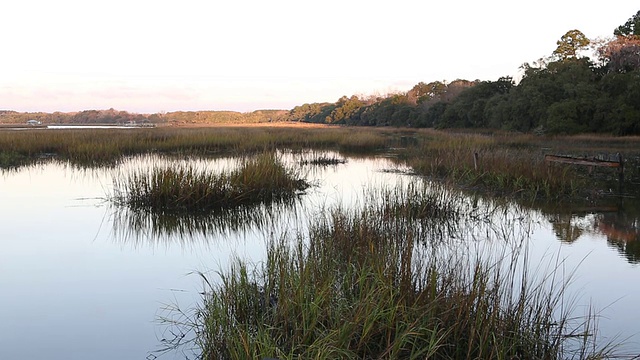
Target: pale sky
x,y
150,56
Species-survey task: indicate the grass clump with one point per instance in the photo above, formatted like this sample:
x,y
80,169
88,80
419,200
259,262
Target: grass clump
x,y
186,189
360,285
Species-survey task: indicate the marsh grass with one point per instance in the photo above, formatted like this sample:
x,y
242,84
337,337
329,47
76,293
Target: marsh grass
x,y
508,163
503,165
12,160
419,201
183,188
362,285
97,147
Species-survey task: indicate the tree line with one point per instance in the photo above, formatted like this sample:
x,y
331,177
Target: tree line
x,y
112,116
109,116
566,92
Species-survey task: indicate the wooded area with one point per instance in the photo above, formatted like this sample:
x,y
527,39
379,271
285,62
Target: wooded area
x,y
564,93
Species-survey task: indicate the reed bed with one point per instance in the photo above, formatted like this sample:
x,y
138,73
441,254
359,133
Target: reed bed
x,y
506,163
186,189
97,147
362,285
513,164
502,165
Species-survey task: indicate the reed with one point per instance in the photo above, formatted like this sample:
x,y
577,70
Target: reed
x,y
503,165
362,285
186,189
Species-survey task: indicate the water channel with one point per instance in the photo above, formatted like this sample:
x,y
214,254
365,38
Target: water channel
x,y
81,279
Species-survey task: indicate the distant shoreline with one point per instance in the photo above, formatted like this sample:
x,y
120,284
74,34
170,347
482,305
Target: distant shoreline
x,y
280,124
73,126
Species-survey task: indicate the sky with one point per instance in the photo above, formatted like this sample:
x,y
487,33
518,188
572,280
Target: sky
x,y
243,55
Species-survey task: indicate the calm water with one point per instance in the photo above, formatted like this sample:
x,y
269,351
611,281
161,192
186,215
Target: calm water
x,y
81,280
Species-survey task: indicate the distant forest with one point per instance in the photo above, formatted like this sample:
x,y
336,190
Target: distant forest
x,y
112,116
566,92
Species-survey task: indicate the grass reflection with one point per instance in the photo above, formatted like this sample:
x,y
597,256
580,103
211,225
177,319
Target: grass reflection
x,y
138,227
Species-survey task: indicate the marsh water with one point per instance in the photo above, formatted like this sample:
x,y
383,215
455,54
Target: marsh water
x,y
83,279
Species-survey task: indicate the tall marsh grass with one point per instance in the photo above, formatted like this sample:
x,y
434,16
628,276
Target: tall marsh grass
x,y
504,165
183,188
96,147
362,285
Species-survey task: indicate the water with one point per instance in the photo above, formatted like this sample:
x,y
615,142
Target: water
x,y
86,127
79,281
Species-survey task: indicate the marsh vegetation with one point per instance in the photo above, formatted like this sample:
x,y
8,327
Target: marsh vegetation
x,y
505,163
397,274
184,189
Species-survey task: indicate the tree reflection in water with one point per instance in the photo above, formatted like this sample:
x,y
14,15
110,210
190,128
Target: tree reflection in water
x,y
622,232
620,227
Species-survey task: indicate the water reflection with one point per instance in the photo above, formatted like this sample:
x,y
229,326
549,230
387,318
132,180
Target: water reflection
x,y
139,227
620,227
623,233
566,228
